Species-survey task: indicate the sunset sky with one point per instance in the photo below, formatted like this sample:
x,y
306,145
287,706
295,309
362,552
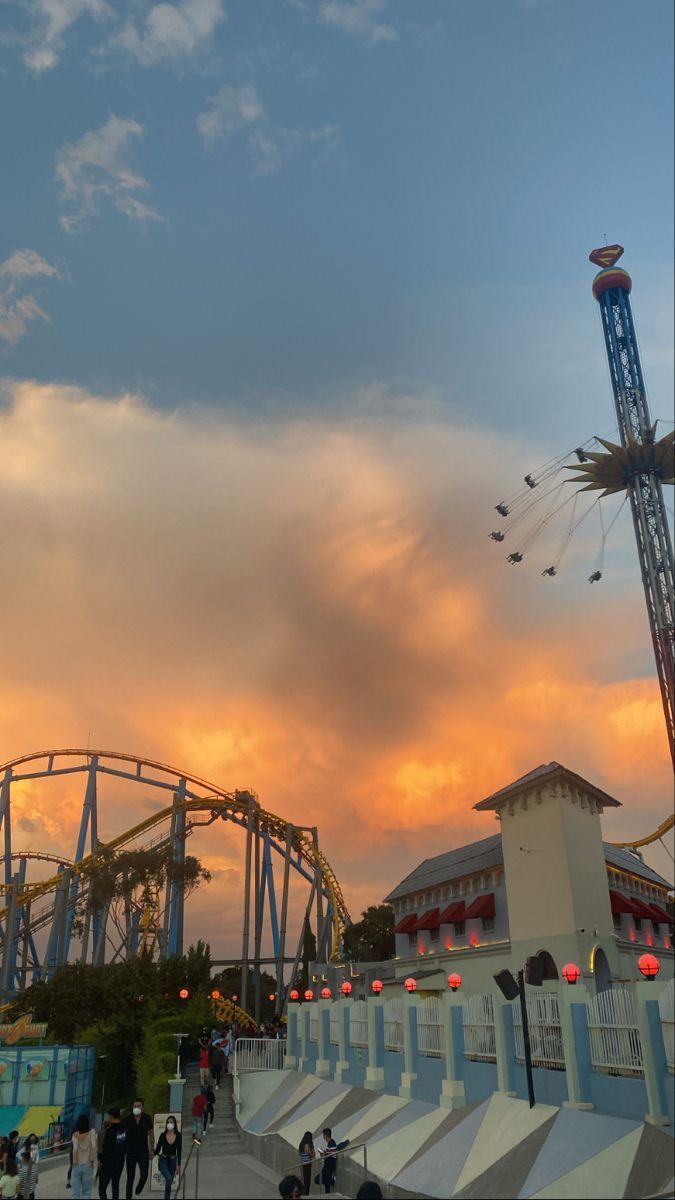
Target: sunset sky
x,y
291,294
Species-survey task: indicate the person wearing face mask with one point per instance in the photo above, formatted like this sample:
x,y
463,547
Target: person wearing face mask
x,y
139,1147
111,1155
168,1151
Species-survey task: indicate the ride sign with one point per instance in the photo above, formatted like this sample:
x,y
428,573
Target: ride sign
x,y
23,1027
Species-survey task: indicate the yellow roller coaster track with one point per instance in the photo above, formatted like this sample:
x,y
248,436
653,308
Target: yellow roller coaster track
x,y
662,830
225,804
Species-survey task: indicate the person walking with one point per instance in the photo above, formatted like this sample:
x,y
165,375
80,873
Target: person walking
x,y
168,1150
28,1174
9,1180
210,1105
204,1048
216,1060
111,1154
139,1146
84,1158
307,1155
199,1105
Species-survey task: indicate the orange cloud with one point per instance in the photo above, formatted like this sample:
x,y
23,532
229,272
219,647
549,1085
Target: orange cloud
x,y
308,609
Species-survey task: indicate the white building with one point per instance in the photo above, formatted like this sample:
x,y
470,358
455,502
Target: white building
x,y
545,885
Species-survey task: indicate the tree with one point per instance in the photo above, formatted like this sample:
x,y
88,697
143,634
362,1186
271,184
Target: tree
x,y
372,938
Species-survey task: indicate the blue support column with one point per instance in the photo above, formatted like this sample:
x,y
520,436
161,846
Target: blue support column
x,y
410,1047
292,1038
375,1068
653,1052
452,1089
505,1045
88,824
267,881
574,1031
6,821
176,898
342,1065
323,1038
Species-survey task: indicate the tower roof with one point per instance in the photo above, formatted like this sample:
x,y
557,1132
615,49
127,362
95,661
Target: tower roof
x,y
546,773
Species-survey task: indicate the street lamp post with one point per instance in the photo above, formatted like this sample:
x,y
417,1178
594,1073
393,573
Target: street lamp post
x,y
101,1059
179,1037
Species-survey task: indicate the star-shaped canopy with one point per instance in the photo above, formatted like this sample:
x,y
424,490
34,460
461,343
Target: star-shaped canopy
x,y
611,472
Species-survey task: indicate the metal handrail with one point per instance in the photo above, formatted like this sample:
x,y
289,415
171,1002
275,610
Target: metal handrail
x,y
345,1150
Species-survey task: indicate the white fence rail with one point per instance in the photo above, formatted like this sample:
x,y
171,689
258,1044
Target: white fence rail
x,y
358,1023
613,1033
543,1017
393,1025
430,1027
259,1054
479,1029
667,1014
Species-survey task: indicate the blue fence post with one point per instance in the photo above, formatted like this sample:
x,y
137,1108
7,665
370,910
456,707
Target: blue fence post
x,y
323,1065
410,1047
342,1064
292,1043
574,1031
375,1068
505,1046
452,1088
303,1022
653,1052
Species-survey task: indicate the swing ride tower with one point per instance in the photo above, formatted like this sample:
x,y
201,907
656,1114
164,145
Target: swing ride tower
x,y
638,466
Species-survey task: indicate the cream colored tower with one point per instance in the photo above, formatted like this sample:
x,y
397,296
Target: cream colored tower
x,y
554,866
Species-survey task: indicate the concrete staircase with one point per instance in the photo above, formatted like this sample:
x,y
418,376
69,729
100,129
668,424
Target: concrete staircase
x,y
223,1136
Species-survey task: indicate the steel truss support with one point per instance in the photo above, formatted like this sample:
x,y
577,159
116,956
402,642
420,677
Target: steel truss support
x,y
652,534
175,906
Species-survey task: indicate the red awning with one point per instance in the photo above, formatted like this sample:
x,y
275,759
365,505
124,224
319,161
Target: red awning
x,y
660,914
620,903
430,920
406,924
640,909
452,914
483,906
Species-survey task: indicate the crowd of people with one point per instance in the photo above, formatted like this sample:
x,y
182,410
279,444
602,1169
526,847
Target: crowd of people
x,y
19,1171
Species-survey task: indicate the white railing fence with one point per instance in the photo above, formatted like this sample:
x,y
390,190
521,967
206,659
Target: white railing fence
x,y
358,1023
613,1033
430,1027
259,1054
393,1025
667,1014
543,1017
479,1028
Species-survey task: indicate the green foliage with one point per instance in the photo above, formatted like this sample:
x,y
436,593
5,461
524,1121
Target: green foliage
x,y
154,1063
372,938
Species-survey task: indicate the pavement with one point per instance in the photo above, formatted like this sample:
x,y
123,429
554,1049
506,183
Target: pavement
x,y
225,1172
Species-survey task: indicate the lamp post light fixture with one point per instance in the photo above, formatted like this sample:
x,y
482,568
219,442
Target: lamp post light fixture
x,y
377,986
215,994
326,993
309,994
183,993
454,981
410,985
179,1037
649,966
346,988
571,973
294,994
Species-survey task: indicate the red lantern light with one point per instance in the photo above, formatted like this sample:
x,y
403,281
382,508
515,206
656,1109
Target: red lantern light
x,y
346,988
410,985
454,981
294,994
649,965
272,997
215,994
377,986
309,994
571,973
183,993
234,999
325,993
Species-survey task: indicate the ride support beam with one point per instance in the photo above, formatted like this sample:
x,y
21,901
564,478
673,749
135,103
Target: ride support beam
x,y
243,989
6,820
176,890
257,924
280,989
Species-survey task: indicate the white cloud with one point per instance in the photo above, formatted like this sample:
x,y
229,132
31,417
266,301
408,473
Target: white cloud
x,y
96,170
171,31
359,18
17,308
51,20
235,111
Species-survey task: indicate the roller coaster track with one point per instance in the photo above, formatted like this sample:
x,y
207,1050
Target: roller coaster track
x,y
228,806
656,836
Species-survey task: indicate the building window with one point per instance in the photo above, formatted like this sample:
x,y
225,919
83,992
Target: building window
x,y
459,928
617,920
412,939
638,924
434,935
455,890
488,924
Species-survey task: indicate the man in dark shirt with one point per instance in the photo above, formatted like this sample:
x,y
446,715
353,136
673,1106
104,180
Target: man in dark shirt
x,y
111,1155
139,1146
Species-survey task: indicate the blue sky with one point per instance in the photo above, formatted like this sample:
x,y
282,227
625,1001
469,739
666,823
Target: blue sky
x,y
411,195
292,292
